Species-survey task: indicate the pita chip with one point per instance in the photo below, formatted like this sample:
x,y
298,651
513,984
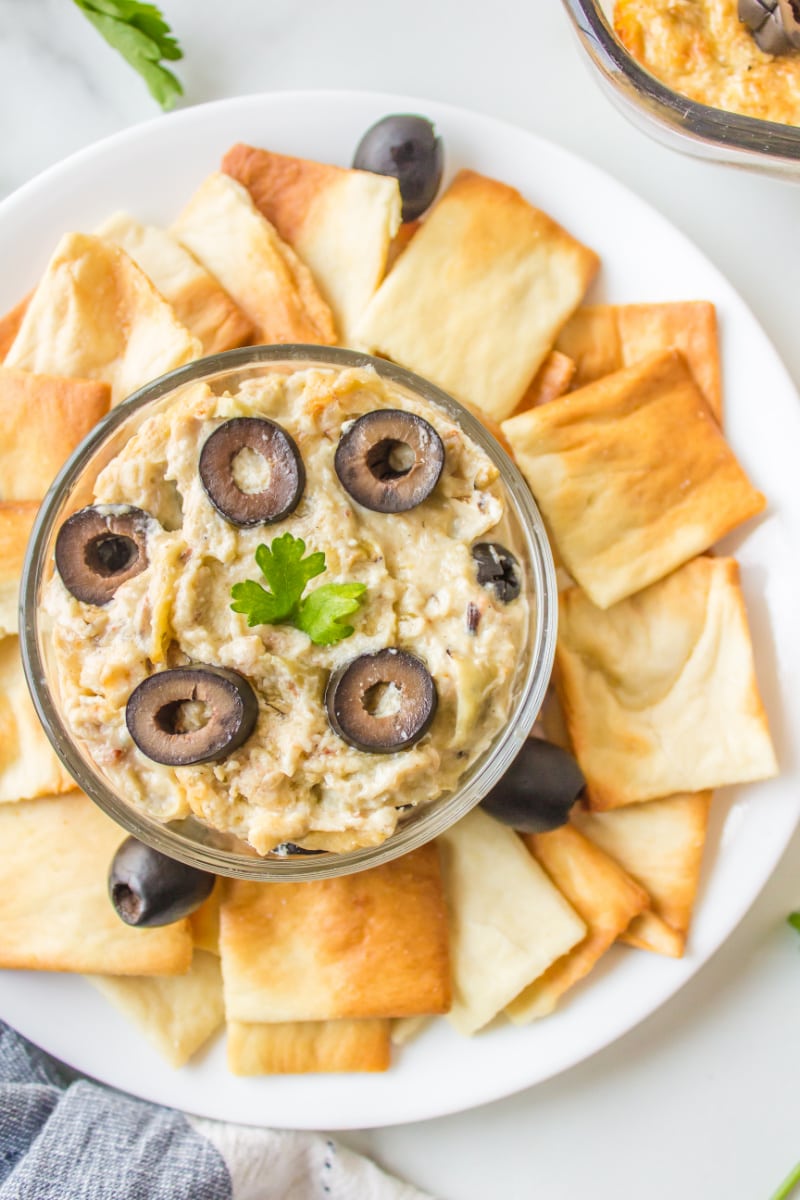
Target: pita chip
x,y
303,1047
16,522
659,692
96,315
176,1013
55,914
224,230
622,511
28,765
43,419
552,380
661,845
9,325
605,898
476,300
204,922
373,944
604,338
341,222
200,303
508,922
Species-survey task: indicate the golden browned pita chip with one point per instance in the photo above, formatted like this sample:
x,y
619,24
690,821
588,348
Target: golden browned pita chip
x,y
603,896
96,315
303,1047
405,1029
200,303
43,419
400,242
28,765
204,921
661,845
276,291
659,692
373,944
340,222
632,475
551,381
176,1013
9,325
476,300
508,922
16,521
55,914
604,338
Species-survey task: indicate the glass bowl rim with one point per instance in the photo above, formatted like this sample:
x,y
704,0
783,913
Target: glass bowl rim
x,y
481,777
701,122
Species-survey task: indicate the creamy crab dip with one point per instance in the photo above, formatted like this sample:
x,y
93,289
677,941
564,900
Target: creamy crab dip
x,y
298,769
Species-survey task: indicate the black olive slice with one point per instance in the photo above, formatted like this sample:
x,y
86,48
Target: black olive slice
x,y
381,702
389,461
498,570
148,888
538,789
191,714
286,849
99,548
286,476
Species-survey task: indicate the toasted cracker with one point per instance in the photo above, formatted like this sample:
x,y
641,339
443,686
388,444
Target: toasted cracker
x,y
55,913
176,1013
204,921
341,222
659,692
199,301
508,922
632,475
605,898
604,338
476,300
96,315
222,228
10,323
28,765
303,1047
661,845
43,419
552,380
16,522
373,944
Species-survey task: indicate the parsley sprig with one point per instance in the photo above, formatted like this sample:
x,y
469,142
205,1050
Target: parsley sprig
x,y
143,38
319,614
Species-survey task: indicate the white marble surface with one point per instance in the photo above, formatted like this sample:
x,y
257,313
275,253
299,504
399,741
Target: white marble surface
x,y
700,1100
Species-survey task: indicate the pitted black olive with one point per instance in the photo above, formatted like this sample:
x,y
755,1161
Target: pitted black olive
x,y
538,790
774,24
498,570
286,476
148,888
389,461
407,148
381,702
191,715
99,548
286,849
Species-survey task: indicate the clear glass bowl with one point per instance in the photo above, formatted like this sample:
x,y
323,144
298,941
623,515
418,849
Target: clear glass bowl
x,y
672,119
189,839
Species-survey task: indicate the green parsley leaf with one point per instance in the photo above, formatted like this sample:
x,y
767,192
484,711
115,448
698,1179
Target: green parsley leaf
x,y
287,572
143,38
794,920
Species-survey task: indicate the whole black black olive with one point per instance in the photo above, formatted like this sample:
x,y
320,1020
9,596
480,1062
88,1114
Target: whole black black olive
x,y
538,790
381,702
389,461
498,570
148,888
407,148
101,547
191,714
286,476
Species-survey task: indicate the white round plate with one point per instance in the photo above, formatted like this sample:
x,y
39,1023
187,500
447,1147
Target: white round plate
x,y
151,170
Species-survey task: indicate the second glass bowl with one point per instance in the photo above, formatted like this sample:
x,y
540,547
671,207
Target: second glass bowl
x,y
189,839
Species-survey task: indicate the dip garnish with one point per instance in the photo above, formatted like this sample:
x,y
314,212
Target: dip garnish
x,y
287,573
